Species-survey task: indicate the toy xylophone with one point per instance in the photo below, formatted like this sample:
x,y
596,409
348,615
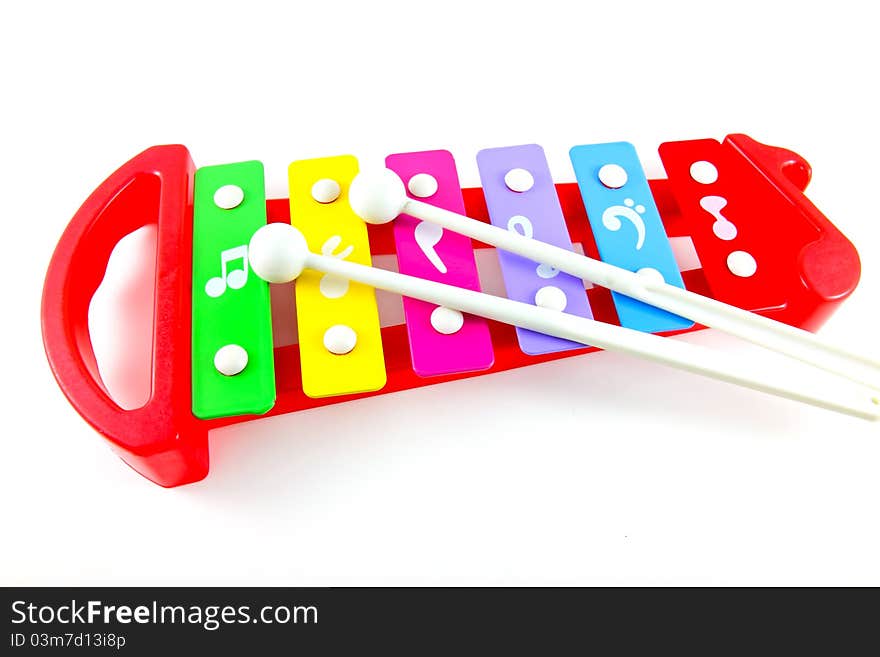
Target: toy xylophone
x,y
730,223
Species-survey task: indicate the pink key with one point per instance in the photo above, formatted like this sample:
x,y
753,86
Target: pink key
x,y
430,252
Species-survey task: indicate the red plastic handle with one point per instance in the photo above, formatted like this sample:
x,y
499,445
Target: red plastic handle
x,y
161,440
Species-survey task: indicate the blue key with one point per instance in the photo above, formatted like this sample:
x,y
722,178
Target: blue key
x,y
627,227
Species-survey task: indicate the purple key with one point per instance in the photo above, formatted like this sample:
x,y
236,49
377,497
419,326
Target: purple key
x,y
521,197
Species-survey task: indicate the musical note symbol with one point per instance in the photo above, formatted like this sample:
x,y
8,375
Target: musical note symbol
x,y
523,226
611,219
329,247
547,271
723,228
234,279
427,236
331,285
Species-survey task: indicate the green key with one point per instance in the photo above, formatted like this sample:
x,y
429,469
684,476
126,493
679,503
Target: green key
x,y
233,370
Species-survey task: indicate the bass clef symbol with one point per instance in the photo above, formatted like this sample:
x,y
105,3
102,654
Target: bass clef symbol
x,y
611,219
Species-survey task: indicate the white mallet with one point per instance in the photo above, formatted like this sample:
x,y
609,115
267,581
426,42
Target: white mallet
x,y
278,253
378,196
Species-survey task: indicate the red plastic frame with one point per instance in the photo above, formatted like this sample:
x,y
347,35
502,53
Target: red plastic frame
x,y
163,440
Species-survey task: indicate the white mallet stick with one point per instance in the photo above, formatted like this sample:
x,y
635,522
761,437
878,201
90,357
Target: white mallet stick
x,y
379,197
278,253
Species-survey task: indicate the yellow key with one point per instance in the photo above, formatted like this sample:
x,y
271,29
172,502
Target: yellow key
x,y
340,341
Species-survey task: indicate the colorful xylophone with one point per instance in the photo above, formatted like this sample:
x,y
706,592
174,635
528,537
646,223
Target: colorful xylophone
x,y
730,222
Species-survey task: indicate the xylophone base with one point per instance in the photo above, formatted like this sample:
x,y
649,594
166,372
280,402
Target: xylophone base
x,y
164,441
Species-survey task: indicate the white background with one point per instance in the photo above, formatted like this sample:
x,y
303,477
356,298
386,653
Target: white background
x,y
593,470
